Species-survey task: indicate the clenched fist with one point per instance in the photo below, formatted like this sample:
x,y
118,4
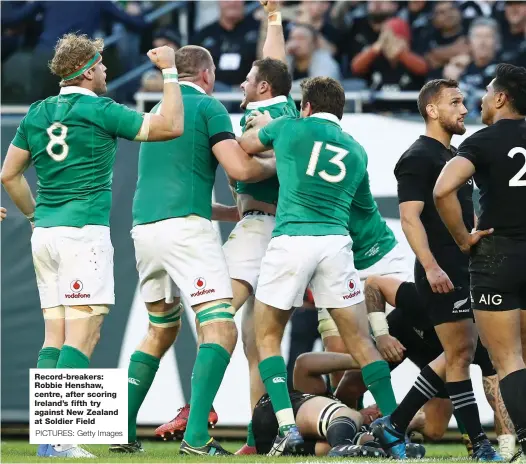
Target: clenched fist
x,y
162,57
270,6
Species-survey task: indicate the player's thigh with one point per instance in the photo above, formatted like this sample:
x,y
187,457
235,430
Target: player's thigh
x,y
335,283
85,266
246,246
438,413
154,282
45,261
286,269
195,261
394,264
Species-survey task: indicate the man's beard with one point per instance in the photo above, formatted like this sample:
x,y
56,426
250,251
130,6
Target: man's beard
x,y
452,128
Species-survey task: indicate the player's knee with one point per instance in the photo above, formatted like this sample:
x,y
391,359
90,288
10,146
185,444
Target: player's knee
x,y
216,319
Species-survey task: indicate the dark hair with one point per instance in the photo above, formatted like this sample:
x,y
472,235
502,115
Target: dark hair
x,y
511,80
191,59
325,95
276,73
431,91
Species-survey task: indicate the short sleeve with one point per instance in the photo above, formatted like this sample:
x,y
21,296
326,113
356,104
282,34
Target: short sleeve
x,y
20,139
269,133
120,121
218,122
471,150
412,175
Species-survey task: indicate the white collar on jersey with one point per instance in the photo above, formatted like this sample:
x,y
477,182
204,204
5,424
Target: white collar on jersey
x,y
268,102
76,89
327,116
194,86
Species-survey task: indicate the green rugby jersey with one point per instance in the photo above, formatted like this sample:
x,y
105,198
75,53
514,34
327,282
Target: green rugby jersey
x,y
268,189
72,138
176,177
319,168
372,237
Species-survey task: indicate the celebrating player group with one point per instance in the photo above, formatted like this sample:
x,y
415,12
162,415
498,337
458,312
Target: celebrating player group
x,y
306,222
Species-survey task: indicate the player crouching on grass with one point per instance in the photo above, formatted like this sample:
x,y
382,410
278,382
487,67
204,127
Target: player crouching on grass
x,y
72,140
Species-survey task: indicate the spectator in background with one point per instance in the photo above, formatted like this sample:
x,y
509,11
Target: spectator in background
x,y
513,29
168,37
448,37
389,64
316,14
152,81
305,58
364,31
417,14
60,18
232,42
484,44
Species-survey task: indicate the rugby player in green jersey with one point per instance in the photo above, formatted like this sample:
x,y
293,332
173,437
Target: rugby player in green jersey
x,y
175,241
71,139
266,88
320,168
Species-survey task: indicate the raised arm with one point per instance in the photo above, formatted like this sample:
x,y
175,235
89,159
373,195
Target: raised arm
x,y
274,46
169,123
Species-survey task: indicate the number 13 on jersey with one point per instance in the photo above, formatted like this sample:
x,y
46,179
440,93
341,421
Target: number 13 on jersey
x,y
336,160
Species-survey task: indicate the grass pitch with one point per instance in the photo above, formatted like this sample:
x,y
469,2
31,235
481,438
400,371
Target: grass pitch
x,y
155,451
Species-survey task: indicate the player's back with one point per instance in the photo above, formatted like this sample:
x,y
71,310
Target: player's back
x,y
370,234
499,154
320,168
176,177
72,139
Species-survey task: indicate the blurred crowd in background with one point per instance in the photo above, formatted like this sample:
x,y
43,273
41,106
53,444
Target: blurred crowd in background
x,y
377,45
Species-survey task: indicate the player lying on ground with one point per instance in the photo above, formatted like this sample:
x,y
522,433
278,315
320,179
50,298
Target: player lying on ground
x,y
495,156
404,334
328,426
175,241
267,86
319,167
71,139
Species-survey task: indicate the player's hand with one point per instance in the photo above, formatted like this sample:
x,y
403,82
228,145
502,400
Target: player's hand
x,y
270,6
257,120
370,414
439,280
390,348
3,213
473,239
162,57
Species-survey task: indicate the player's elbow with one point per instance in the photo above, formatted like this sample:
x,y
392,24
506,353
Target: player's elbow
x,y
7,178
440,192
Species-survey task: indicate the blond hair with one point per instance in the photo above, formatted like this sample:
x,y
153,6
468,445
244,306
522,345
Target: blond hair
x,y
72,52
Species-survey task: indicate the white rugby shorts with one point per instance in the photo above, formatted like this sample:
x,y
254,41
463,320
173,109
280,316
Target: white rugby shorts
x,y
246,246
73,265
184,250
327,262
393,264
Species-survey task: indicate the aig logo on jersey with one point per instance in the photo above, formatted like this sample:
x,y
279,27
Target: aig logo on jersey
x,y
76,287
353,288
488,299
200,285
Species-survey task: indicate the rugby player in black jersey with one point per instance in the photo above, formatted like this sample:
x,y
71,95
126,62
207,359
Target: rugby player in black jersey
x,y
496,157
441,269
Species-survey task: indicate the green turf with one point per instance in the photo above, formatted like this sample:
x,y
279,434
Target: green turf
x,y
21,451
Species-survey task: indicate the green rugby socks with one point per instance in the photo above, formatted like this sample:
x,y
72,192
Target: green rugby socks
x,y
141,372
274,375
48,358
377,378
209,370
71,358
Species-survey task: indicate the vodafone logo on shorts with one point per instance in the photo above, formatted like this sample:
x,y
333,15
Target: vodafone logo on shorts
x,y
353,289
76,287
200,285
